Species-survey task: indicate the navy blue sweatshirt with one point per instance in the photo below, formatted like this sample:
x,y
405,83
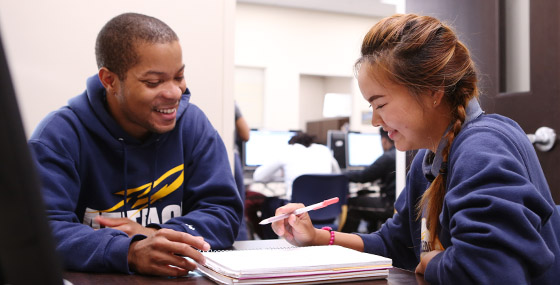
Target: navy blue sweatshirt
x,y
499,224
90,166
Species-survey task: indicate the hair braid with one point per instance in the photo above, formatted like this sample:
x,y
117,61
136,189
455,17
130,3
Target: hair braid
x,y
432,200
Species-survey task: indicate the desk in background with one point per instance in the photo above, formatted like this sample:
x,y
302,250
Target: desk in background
x,y
272,188
354,187
277,188
396,276
269,189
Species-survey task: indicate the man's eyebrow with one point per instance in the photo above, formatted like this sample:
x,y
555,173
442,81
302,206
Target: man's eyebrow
x,y
374,97
155,72
152,72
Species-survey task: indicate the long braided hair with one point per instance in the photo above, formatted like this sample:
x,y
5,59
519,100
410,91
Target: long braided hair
x,y
423,54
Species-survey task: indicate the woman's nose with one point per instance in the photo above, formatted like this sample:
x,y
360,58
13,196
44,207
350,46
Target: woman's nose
x,y
376,119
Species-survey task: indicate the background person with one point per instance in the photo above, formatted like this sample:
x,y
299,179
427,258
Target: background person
x,y
242,131
301,156
374,208
242,135
133,175
476,207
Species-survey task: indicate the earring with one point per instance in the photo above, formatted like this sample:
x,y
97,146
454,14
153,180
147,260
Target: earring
x,y
435,102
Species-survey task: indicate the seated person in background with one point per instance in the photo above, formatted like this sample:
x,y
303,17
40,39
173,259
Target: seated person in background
x,y
242,134
373,209
134,176
301,156
242,130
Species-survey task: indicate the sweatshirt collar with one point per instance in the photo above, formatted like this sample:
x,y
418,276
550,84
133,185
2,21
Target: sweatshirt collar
x,y
431,164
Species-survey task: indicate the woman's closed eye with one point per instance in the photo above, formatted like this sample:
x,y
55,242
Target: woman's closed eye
x,y
380,106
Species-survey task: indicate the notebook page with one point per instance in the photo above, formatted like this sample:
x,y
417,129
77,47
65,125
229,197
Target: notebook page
x,y
265,262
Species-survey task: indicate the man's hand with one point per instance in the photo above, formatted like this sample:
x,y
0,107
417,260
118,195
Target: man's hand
x,y
126,225
162,253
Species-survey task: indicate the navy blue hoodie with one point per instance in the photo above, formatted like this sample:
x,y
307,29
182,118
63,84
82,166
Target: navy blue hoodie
x,y
499,224
90,166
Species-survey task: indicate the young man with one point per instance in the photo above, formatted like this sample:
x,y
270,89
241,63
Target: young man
x,y
134,176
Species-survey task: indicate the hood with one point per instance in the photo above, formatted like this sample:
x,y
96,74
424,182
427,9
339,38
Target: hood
x,y
91,109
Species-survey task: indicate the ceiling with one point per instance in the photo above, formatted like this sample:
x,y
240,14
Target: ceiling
x,y
368,8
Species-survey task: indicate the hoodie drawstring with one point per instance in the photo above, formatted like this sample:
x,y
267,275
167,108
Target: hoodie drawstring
x,y
125,182
153,178
124,176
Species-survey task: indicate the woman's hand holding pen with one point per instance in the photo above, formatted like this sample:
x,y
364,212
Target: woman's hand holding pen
x,y
297,230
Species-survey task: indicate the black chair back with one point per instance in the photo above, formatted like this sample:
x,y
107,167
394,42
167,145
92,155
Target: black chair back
x,y
314,188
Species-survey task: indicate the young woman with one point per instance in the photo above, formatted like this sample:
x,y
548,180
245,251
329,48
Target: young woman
x,y
476,207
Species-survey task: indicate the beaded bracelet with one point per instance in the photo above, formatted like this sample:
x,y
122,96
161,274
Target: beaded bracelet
x,y
331,241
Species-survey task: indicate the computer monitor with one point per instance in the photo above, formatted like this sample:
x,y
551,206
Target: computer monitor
x,y
27,254
336,142
362,149
263,145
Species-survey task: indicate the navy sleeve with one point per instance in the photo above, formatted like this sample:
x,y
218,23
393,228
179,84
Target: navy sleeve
x,y
377,170
493,212
81,247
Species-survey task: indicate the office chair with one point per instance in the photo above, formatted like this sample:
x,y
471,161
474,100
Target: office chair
x,y
313,188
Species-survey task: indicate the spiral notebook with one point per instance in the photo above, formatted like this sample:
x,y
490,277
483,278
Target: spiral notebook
x,y
312,264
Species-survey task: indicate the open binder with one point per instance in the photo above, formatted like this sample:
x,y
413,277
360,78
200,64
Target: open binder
x,y
312,264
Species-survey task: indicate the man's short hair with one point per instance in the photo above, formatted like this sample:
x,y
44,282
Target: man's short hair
x,y
115,47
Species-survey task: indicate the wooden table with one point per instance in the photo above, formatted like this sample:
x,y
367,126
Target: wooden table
x,y
396,275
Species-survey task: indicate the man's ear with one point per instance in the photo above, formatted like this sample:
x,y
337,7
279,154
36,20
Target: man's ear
x,y
109,79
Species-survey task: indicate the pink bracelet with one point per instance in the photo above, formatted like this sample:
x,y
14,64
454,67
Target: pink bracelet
x,y
331,241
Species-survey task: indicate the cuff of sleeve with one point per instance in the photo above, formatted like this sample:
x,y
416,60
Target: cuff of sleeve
x,y
180,228
116,254
373,243
431,272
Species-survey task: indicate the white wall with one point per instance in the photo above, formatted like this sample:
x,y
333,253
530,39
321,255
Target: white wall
x,y
312,95
289,42
50,47
312,92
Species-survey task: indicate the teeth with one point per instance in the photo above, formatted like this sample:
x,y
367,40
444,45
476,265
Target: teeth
x,y
166,111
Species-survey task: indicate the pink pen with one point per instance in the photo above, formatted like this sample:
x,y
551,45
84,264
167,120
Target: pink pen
x,y
300,211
